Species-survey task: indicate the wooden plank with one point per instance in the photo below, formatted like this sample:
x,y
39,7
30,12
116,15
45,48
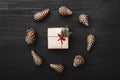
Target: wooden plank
x,y
102,63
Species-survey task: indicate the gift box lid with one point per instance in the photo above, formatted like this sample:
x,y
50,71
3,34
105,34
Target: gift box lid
x,y
55,31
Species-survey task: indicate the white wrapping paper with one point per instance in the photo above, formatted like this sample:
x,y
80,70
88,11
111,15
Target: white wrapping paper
x,y
53,37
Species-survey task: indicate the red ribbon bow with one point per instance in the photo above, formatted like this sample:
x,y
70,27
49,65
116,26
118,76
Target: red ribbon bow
x,y
61,38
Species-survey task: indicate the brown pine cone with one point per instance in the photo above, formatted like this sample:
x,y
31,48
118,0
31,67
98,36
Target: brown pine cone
x,y
83,18
57,67
90,41
41,14
37,59
78,60
30,36
64,11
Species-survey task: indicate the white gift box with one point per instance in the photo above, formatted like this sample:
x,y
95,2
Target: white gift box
x,y
55,40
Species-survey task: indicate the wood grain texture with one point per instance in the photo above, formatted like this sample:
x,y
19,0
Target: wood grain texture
x,y
102,63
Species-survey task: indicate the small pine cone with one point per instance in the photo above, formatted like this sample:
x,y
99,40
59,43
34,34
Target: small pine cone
x,y
41,14
37,59
30,36
83,18
78,60
64,11
90,41
57,67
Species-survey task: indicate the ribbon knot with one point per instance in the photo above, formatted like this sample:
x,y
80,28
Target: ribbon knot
x,y
61,38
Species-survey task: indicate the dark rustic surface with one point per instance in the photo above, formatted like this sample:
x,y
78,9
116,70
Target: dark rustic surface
x,y
102,63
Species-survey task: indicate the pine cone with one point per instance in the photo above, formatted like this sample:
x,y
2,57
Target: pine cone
x,y
90,41
83,18
41,14
37,59
64,11
57,67
78,60
30,36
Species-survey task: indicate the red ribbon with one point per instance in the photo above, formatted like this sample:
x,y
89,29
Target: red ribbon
x,y
61,38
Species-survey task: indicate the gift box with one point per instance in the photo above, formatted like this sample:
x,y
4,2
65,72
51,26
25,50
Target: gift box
x,y
56,40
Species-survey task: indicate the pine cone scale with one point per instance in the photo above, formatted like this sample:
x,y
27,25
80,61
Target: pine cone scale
x,y
83,18
30,36
41,14
57,67
90,41
37,59
78,60
64,11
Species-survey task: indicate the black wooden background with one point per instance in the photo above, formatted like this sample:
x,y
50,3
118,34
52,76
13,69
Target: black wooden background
x,y
102,63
